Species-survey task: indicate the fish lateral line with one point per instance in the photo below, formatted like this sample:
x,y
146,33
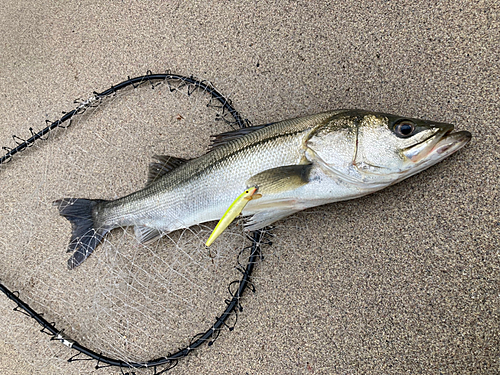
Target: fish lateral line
x,y
303,162
232,212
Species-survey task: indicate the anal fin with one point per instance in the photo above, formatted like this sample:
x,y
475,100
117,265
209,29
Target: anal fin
x,y
144,234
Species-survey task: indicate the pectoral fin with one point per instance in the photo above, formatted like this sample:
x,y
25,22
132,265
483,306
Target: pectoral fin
x,y
280,179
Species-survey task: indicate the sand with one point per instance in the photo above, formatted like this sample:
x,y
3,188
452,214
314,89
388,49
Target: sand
x,y
406,280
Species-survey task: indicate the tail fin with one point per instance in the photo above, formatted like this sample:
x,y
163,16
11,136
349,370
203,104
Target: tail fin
x,y
86,235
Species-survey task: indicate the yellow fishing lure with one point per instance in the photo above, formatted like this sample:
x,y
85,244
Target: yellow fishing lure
x,y
232,212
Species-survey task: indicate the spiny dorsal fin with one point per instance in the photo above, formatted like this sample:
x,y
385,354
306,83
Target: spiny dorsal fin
x,y
280,179
164,165
223,138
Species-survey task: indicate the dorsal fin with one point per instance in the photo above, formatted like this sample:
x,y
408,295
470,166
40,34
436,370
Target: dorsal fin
x,y
223,138
164,165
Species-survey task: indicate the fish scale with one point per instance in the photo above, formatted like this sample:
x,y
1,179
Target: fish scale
x,y
294,164
201,190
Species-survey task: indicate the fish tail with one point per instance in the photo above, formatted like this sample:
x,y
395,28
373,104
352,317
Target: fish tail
x,y
86,233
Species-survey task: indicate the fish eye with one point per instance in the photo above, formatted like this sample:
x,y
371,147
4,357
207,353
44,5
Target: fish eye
x,y
404,128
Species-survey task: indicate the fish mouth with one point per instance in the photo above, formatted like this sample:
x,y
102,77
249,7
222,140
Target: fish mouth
x,y
438,146
450,143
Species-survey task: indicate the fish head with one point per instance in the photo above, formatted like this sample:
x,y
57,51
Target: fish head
x,y
379,148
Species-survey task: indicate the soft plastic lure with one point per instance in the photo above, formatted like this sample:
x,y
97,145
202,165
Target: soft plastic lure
x,y
232,212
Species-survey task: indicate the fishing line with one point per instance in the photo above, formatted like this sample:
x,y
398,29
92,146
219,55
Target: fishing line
x,y
130,305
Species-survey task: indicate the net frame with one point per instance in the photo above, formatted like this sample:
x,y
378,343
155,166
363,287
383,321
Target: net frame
x,y
236,288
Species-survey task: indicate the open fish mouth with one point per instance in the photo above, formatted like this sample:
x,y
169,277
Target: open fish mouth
x,y
446,145
438,146
450,143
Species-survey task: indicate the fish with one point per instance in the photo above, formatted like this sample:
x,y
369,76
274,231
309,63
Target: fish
x,y
295,164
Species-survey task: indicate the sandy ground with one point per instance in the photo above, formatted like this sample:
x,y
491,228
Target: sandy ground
x,y
403,281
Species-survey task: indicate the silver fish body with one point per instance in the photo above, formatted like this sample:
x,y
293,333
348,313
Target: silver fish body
x,y
295,164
